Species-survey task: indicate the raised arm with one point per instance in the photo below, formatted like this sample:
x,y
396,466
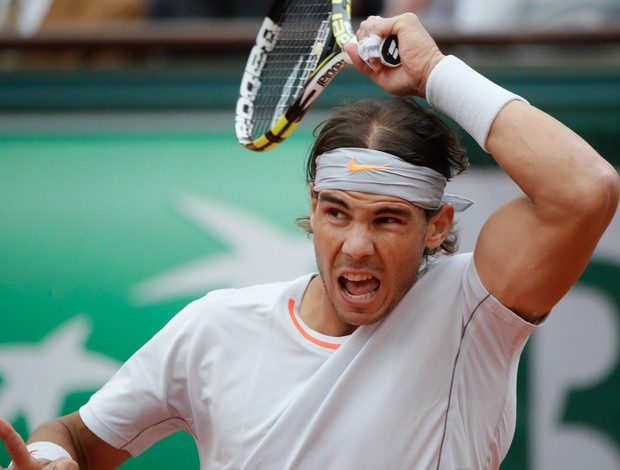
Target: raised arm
x,y
533,249
65,435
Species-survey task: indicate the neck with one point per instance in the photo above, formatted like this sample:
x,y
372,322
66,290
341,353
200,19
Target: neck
x,y
318,313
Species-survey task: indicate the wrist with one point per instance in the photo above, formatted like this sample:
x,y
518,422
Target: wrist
x,y
47,450
433,62
469,98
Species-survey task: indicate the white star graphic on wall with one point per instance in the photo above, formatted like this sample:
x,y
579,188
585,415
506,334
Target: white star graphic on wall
x,y
37,377
258,252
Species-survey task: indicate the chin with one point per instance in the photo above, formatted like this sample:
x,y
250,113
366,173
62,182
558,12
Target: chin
x,y
361,318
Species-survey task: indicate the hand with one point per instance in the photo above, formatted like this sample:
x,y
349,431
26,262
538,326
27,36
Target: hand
x,y
418,54
22,460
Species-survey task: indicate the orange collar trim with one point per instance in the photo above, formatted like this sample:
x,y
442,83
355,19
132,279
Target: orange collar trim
x,y
304,333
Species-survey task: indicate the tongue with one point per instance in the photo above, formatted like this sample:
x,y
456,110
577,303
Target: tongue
x,y
361,287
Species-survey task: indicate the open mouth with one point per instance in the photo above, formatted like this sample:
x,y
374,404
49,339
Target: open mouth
x,y
359,286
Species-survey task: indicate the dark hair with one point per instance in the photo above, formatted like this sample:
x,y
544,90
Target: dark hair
x,y
397,126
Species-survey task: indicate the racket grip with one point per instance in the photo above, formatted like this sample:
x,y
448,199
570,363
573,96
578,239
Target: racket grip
x,y
388,50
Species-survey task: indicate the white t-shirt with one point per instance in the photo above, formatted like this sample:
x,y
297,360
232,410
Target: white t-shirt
x,y
431,386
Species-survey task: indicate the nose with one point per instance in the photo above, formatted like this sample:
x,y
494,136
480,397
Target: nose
x,y
358,243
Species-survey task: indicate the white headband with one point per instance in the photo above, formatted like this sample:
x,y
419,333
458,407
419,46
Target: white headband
x,y
373,171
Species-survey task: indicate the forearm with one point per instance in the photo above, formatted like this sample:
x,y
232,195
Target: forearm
x,y
88,450
57,432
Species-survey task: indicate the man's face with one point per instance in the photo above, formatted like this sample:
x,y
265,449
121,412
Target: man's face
x,y
368,248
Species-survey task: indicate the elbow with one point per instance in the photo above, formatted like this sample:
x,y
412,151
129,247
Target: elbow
x,y
614,190
603,194
610,187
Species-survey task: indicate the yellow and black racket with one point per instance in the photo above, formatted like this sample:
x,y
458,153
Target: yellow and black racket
x,y
298,50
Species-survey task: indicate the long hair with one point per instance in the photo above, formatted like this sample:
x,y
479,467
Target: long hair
x,y
397,126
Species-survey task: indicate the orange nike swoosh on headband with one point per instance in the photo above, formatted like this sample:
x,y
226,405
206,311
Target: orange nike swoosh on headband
x,y
354,167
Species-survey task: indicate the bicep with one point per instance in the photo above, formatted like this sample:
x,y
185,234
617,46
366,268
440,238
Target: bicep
x,y
529,262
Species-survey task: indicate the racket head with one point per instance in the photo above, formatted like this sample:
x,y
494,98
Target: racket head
x,y
298,50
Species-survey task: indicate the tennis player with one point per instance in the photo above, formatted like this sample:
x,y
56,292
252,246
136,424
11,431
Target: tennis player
x,y
392,356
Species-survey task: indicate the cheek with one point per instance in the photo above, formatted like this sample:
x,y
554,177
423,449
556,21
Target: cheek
x,y
406,267
328,248
405,255
324,244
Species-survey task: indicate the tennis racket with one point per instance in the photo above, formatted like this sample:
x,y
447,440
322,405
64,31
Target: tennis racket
x,y
298,51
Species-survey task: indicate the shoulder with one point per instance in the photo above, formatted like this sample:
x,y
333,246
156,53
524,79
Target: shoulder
x,y
259,294
234,302
451,282
448,269
442,283
225,313
458,275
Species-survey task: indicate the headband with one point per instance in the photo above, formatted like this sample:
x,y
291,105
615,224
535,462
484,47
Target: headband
x,y
373,171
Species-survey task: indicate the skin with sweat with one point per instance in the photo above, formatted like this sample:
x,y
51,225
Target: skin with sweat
x,y
369,249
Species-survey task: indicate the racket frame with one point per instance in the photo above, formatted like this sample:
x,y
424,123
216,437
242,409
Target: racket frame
x,y
331,61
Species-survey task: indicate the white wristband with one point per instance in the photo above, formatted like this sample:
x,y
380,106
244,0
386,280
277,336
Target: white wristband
x,y
47,450
469,98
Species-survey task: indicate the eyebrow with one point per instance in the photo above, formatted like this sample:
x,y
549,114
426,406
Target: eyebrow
x,y
399,211
333,200
390,210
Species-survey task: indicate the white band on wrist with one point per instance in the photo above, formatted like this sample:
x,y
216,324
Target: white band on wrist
x,y
469,98
47,450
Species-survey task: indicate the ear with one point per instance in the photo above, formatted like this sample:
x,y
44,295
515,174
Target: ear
x,y
439,226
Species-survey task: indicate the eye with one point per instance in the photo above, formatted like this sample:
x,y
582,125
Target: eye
x,y
386,220
335,213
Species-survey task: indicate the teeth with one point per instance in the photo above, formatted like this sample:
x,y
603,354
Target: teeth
x,y
356,277
360,297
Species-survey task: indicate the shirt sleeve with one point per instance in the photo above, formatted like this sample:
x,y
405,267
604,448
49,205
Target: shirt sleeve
x,y
146,400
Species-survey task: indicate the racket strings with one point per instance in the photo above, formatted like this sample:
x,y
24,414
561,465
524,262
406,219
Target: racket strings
x,y
305,29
